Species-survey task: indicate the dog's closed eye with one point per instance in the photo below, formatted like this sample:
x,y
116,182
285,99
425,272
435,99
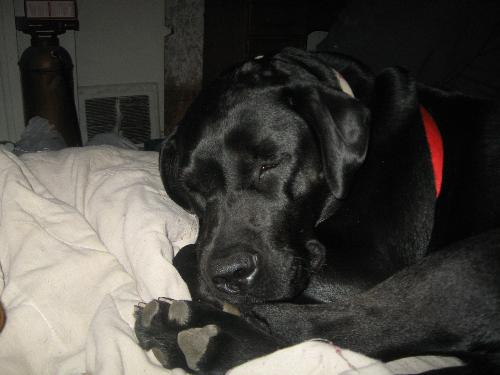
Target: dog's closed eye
x,y
266,167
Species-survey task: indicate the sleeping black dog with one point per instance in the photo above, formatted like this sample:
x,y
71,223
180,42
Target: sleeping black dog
x,y
333,204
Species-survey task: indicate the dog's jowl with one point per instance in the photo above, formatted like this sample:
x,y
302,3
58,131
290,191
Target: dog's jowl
x,y
333,203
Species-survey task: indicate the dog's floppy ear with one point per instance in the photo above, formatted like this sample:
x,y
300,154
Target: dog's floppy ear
x,y
340,125
169,171
338,120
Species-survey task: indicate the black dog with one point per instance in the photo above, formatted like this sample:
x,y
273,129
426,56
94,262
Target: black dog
x,y
332,216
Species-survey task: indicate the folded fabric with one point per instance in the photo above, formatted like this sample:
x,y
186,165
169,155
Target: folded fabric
x,y
87,233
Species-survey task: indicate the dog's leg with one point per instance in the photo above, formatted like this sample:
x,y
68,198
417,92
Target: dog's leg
x,y
197,337
447,304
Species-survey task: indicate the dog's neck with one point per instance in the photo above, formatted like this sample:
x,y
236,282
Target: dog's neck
x,y
433,136
434,142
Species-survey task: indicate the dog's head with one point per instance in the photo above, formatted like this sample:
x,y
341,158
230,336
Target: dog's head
x,y
262,156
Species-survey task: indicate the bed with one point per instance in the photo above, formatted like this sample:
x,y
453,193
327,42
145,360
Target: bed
x,y
87,233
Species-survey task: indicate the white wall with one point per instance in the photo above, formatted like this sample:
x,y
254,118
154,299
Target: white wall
x,y
11,109
120,41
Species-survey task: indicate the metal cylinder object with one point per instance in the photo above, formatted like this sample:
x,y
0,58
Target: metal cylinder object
x,y
47,85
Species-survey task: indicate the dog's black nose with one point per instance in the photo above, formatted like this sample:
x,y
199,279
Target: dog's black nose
x,y
234,273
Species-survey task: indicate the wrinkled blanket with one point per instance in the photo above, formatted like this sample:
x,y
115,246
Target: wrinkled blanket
x,y
87,233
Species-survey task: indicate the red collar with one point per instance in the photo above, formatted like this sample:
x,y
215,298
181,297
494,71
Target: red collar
x,y
435,143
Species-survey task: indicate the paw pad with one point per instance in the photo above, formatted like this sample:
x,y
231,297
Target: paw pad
x,y
161,357
179,312
148,313
194,342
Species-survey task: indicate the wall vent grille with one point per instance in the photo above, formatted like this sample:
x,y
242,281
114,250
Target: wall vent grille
x,y
129,110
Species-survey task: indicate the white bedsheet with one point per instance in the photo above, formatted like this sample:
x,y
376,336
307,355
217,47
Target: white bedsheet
x,y
85,234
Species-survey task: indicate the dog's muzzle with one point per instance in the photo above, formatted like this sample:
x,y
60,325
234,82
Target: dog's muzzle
x,y
234,273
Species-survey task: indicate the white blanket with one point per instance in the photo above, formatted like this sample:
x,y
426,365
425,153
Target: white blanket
x,y
86,233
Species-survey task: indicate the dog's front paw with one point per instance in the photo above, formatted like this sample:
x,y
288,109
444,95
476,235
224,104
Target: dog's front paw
x,y
197,337
156,328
